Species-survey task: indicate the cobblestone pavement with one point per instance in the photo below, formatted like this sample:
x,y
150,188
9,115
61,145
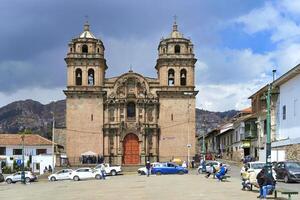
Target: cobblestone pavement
x,y
131,187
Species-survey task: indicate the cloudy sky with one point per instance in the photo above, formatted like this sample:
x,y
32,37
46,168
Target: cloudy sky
x,y
237,43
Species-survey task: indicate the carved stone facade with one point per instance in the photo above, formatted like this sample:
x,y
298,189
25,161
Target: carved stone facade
x,y
131,118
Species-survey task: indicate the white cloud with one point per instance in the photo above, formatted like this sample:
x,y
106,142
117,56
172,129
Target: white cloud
x,y
38,94
272,17
231,66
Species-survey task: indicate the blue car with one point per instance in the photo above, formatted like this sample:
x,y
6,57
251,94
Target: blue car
x,y
168,168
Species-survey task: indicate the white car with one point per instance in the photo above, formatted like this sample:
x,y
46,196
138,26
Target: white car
x,y
143,170
63,174
256,167
112,170
215,163
16,177
85,173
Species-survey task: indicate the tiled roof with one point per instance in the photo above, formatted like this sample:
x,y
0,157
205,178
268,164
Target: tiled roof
x,y
247,110
29,140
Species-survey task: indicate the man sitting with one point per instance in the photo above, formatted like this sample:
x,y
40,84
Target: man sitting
x,y
221,172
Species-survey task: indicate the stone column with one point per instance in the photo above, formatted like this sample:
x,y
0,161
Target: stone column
x,y
106,147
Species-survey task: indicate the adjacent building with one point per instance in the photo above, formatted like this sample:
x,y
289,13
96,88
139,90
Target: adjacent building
x,y
36,148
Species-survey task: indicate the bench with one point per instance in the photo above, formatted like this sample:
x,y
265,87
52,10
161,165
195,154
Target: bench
x,y
286,192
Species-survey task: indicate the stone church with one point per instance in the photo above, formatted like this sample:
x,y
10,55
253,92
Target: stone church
x,y
130,118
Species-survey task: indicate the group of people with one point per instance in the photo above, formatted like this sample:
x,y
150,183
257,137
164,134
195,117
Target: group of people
x,y
265,181
216,171
47,169
84,159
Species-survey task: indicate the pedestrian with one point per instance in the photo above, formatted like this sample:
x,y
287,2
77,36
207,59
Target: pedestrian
x,y
245,179
221,172
211,170
268,185
184,164
45,169
148,167
193,163
102,169
260,181
50,169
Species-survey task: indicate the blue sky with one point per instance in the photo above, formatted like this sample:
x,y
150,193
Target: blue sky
x,y
237,43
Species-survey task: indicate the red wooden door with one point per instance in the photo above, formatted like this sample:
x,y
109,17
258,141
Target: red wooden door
x,y
131,150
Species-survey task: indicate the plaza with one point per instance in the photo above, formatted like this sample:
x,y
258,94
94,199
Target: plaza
x,y
132,187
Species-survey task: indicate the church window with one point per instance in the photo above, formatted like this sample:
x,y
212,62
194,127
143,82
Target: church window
x,y
92,117
183,77
78,77
91,77
71,49
171,76
164,50
172,117
111,114
98,50
84,48
131,110
177,49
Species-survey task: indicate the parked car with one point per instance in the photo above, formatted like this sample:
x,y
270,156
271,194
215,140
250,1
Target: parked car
x,y
256,167
288,171
1,178
112,170
215,163
63,174
85,173
143,170
16,177
168,168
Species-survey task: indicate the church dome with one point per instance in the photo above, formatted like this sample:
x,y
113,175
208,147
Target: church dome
x,y
86,32
175,33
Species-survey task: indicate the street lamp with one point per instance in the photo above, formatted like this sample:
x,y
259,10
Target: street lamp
x,y
189,94
53,147
268,143
23,159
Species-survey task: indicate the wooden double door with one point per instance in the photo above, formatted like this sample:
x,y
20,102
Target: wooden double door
x,y
131,154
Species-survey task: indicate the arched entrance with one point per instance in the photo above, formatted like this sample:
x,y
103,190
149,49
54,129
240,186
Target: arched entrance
x,y
131,154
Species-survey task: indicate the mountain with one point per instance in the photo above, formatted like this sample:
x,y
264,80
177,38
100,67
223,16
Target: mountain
x,y
37,118
33,116
207,120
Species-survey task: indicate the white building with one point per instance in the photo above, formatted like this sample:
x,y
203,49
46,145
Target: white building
x,y
39,148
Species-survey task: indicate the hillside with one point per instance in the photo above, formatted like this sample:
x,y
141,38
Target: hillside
x,y
34,116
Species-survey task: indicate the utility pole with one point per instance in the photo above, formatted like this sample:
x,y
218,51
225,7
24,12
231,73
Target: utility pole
x,y
268,143
53,146
189,94
23,159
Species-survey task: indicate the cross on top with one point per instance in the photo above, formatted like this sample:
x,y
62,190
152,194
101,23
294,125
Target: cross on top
x,y
175,19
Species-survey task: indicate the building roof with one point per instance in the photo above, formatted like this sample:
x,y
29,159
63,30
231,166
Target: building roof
x,y
247,110
281,80
29,140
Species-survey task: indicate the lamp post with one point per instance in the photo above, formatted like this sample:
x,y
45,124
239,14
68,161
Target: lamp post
x,y
23,159
268,142
189,94
53,147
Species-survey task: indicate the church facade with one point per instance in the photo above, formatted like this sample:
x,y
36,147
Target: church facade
x,y
130,118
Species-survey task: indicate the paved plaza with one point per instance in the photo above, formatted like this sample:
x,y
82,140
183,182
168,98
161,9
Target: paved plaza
x,y
131,187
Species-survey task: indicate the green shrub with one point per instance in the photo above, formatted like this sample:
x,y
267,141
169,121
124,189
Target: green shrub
x,y
6,170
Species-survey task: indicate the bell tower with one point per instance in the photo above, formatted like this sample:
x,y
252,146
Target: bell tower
x,y
86,68
85,61
177,96
176,63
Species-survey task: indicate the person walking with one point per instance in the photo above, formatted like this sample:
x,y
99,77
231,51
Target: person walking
x,y
211,170
102,169
148,167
